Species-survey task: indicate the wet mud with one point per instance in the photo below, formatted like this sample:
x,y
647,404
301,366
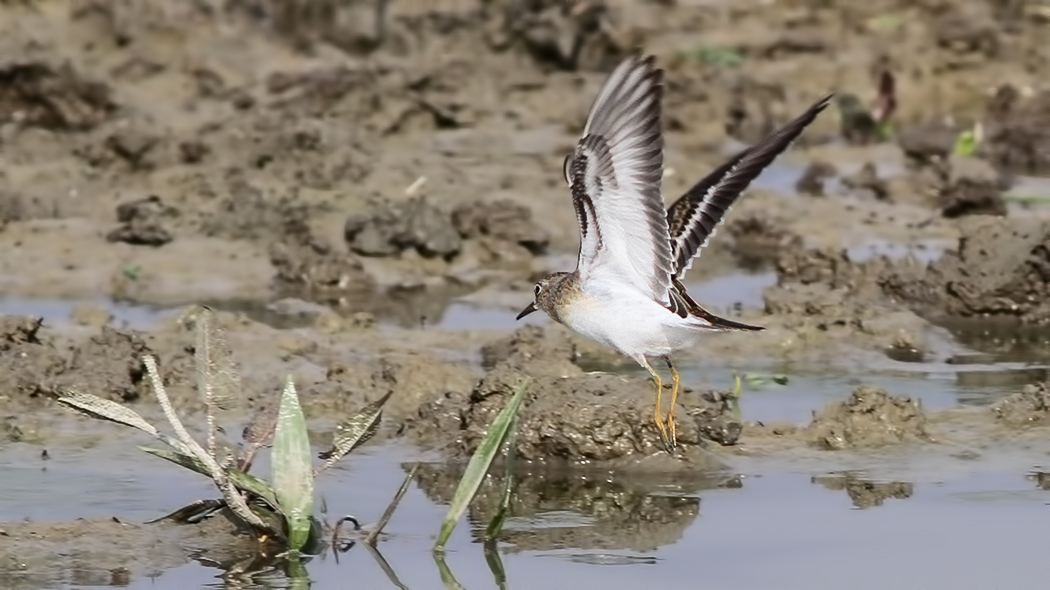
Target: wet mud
x,y
337,180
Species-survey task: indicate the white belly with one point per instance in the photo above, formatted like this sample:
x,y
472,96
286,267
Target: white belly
x,y
631,323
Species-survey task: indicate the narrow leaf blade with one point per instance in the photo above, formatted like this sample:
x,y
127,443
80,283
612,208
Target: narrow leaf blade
x,y
355,431
479,465
241,480
104,409
510,451
293,478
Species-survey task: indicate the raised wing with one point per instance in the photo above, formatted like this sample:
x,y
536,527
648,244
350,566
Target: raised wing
x,y
614,175
693,218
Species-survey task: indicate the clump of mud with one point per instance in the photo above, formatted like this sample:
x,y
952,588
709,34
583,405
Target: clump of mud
x,y
569,416
414,224
1017,131
309,266
1030,406
36,94
565,35
417,225
142,222
34,364
825,292
870,418
1001,267
109,552
759,238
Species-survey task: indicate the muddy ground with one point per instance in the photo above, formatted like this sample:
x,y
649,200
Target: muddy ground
x,y
353,183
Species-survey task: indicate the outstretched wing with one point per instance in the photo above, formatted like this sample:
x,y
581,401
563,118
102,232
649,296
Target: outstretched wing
x,y
614,175
693,218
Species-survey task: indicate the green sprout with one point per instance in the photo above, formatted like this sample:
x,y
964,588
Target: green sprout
x,y
499,435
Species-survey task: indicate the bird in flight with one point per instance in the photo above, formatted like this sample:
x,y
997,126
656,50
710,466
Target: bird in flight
x,y
626,292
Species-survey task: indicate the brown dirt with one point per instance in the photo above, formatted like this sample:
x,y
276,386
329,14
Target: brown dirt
x,y
570,416
248,153
870,418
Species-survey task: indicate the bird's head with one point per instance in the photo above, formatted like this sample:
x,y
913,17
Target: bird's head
x,y
545,291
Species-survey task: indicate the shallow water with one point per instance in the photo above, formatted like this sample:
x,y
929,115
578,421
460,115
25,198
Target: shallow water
x,y
977,526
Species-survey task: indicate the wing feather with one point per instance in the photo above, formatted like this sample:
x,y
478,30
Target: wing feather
x,y
614,175
695,216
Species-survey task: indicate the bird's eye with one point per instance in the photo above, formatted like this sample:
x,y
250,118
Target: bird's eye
x,y
537,290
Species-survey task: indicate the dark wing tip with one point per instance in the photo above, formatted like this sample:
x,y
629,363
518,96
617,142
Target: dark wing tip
x,y
692,219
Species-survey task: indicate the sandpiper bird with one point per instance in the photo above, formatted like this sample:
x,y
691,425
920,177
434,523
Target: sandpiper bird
x,y
626,291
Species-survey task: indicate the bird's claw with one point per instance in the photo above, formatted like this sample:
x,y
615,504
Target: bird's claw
x,y
666,429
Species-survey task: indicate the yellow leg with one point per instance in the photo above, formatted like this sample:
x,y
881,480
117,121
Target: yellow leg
x,y
661,422
675,382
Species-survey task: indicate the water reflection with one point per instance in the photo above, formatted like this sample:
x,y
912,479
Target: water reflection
x,y
865,493
563,509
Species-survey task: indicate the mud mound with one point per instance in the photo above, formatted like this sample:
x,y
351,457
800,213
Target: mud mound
x,y
415,379
142,222
569,416
823,291
575,35
1030,406
54,554
870,418
38,95
308,266
1000,267
1017,131
34,364
413,224
760,238
501,220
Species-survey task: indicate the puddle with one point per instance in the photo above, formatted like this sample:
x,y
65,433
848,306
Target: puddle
x,y
58,311
767,528
925,251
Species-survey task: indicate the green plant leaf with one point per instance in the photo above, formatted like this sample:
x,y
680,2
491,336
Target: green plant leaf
x,y
510,450
725,57
293,477
353,432
480,463
885,131
966,144
1027,198
240,479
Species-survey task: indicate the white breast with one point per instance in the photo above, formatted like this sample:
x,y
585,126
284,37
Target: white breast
x,y
629,322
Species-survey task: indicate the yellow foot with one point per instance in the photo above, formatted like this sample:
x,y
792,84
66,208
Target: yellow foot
x,y
667,434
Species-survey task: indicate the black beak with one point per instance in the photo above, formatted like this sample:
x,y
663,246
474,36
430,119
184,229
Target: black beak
x,y
528,309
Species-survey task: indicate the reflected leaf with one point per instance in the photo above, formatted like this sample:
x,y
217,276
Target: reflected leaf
x,y
449,580
612,559
492,558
